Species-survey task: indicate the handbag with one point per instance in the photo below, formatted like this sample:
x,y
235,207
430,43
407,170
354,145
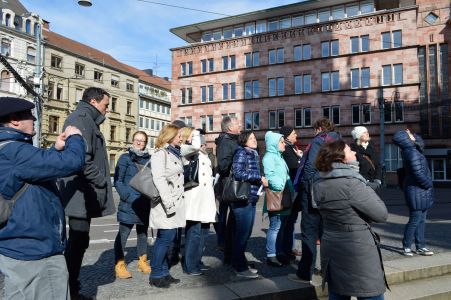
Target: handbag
x,y
143,182
191,173
278,201
234,190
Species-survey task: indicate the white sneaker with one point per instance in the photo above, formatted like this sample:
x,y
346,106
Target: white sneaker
x,y
407,252
255,271
247,274
425,252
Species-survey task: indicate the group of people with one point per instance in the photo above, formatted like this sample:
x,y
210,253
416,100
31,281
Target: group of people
x,y
333,185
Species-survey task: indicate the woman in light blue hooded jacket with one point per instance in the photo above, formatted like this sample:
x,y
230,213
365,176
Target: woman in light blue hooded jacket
x,y
277,174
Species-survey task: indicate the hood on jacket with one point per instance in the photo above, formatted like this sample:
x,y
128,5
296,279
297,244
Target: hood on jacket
x,y
272,142
403,141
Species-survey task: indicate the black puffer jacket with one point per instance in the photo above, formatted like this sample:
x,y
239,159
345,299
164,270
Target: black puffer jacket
x,y
368,161
226,145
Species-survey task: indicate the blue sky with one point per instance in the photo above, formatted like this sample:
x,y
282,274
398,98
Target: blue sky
x,y
135,32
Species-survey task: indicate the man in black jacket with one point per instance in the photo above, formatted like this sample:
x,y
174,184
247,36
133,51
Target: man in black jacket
x,y
226,145
89,193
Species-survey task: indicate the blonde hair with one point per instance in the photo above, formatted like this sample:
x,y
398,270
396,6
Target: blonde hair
x,y
167,134
185,133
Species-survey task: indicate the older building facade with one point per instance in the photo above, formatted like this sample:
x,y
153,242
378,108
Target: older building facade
x,y
154,104
293,64
18,31
71,67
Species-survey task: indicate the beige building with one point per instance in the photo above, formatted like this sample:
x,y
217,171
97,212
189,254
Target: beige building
x,y
70,68
154,104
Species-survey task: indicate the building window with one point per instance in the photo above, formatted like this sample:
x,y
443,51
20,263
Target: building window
x,y
183,69
297,21
51,90
324,49
206,123
31,55
252,59
232,90
307,117
232,62
399,111
78,94
112,133
203,94
225,63
310,18
255,89
251,89
249,28
112,162
280,118
431,18
329,48
54,124
6,47
280,56
271,87
129,108
225,91
360,78
334,48
302,117
189,91
361,113
128,132
298,118
273,25
392,74
130,87
365,43
228,33
28,26
98,76
141,122
210,93
297,53
272,56
56,62
113,104
280,86
272,119
248,121
261,27
59,91
203,65
332,113
352,10
115,81
211,65
394,111
330,81
393,159
182,96
306,52
79,70
276,86
391,39
324,15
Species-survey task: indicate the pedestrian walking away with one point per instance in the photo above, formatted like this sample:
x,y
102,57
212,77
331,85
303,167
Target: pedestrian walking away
x,y
89,193
418,190
33,237
133,208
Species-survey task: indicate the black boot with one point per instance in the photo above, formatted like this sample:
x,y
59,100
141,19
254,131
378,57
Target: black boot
x,y
273,262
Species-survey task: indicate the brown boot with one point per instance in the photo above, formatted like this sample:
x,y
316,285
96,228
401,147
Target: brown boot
x,y
121,270
143,265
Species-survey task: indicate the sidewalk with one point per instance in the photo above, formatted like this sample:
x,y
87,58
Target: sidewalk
x,y
97,274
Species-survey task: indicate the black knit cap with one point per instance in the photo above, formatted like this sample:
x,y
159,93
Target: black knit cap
x,y
286,131
179,123
10,105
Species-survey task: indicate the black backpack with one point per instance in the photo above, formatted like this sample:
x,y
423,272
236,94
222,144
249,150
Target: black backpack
x,y
6,206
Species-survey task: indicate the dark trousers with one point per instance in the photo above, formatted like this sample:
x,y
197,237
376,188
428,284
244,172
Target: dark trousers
x,y
220,226
311,231
243,221
160,259
122,236
193,248
288,242
228,239
77,244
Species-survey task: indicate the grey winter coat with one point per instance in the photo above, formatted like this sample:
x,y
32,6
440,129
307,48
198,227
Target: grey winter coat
x,y
349,255
89,193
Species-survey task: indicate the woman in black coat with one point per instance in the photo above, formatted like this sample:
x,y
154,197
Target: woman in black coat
x,y
418,190
367,156
133,208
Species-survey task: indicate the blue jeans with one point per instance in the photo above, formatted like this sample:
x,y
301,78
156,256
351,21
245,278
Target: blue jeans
x,y
276,235
333,296
193,248
311,231
165,238
243,216
415,228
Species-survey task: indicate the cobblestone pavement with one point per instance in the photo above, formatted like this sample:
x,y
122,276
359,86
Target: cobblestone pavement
x,y
97,274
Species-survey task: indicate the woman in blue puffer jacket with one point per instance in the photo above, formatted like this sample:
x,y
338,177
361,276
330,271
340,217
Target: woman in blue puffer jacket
x,y
133,208
245,167
418,190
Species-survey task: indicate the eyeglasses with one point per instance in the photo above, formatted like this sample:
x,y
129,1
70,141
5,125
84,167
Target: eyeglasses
x,y
139,141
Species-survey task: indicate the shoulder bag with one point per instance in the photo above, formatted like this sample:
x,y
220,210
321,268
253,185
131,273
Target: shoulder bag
x,y
278,201
234,190
143,182
191,173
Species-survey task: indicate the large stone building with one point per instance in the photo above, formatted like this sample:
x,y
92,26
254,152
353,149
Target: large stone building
x,y
292,64
71,67
18,31
154,104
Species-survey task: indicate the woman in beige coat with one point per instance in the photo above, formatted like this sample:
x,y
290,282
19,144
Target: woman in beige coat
x,y
200,201
169,213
